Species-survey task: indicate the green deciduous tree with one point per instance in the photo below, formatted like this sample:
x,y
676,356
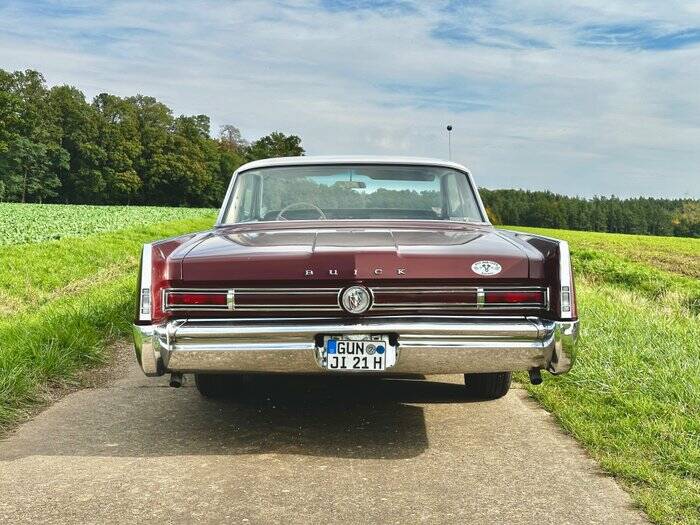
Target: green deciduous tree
x,y
31,166
275,144
31,156
119,143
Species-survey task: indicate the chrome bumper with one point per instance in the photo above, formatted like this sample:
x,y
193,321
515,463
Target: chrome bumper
x,y
425,345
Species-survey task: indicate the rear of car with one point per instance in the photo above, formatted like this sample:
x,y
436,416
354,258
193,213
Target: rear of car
x,y
369,266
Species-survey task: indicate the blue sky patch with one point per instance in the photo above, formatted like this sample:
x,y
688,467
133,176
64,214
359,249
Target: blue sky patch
x,y
491,37
393,6
637,36
451,94
50,8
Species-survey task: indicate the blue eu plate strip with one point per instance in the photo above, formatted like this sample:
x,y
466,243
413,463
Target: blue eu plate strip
x,y
331,346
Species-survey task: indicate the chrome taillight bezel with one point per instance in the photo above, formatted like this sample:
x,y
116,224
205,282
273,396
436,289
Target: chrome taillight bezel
x,y
566,285
145,309
226,294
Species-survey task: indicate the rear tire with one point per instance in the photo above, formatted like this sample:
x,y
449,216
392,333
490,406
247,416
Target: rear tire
x,y
214,386
487,386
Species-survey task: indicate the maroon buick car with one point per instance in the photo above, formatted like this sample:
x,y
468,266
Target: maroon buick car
x,y
355,265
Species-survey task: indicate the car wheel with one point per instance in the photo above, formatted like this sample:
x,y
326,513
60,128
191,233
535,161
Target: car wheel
x,y
214,385
487,386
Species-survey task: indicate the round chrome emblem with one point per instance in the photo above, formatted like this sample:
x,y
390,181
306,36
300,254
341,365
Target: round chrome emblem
x,y
486,267
356,299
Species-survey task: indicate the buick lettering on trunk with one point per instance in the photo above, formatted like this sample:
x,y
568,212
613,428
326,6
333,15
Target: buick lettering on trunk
x,y
347,265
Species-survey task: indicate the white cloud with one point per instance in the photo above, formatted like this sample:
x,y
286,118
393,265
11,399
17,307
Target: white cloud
x,y
560,116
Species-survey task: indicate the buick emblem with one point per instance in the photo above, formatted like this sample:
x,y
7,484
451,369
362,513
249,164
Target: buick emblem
x,y
356,299
486,267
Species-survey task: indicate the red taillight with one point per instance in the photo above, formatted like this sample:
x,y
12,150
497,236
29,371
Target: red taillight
x,y
514,297
196,299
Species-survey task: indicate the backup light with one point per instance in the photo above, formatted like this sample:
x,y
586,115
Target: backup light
x,y
565,299
146,301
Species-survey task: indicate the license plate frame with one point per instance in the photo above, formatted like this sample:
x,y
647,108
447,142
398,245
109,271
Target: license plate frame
x,y
357,353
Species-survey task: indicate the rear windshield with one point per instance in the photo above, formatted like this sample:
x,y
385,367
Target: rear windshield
x,y
334,192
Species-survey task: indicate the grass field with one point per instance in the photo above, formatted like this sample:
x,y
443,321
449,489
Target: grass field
x,y
633,398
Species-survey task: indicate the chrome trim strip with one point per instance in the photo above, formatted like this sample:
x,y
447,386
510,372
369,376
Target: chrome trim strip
x,y
197,307
146,271
299,329
284,307
455,306
480,298
380,289
455,289
197,290
231,299
565,279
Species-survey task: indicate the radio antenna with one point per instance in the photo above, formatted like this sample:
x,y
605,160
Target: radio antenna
x,y
449,141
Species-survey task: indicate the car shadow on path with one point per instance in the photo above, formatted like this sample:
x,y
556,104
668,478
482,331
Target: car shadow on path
x,y
368,418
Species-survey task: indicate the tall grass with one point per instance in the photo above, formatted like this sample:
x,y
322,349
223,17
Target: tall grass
x,y
51,344
633,396
64,300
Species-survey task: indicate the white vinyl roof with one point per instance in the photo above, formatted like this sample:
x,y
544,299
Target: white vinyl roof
x,y
349,159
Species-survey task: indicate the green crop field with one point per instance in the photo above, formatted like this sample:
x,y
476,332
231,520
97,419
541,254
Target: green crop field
x,y
29,223
632,399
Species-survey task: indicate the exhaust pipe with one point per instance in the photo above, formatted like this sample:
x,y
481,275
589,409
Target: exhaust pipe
x,y
176,379
535,376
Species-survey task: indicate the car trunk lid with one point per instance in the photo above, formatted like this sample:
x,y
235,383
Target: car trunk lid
x,y
352,252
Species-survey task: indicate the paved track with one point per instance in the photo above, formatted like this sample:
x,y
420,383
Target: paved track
x,y
300,451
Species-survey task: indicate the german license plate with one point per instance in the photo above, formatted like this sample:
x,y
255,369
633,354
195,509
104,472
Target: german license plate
x,y
358,353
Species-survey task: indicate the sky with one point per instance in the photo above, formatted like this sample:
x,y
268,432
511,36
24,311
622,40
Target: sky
x,y
587,98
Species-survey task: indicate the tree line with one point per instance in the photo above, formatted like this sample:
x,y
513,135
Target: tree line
x,y
56,146
642,215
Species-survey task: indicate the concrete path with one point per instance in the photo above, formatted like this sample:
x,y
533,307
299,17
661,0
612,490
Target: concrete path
x,y
300,450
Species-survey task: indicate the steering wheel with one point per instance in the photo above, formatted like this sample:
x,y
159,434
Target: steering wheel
x,y
281,217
